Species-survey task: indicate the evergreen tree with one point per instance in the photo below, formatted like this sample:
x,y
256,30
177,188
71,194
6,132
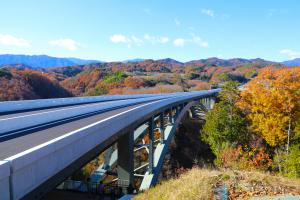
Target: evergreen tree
x,y
225,124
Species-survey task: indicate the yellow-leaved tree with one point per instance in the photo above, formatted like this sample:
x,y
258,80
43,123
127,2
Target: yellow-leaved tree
x,y
272,103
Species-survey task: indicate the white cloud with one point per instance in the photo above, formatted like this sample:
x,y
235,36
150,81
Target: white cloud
x,y
179,42
136,40
10,40
119,38
177,22
129,40
66,43
152,39
194,39
208,12
149,38
199,41
290,53
156,39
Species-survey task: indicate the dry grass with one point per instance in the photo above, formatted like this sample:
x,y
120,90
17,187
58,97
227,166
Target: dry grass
x,y
199,184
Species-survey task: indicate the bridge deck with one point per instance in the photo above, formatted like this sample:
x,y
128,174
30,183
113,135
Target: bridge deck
x,y
23,113
22,143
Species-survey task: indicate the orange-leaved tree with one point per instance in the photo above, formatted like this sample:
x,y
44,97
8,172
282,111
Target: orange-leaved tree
x,y
272,103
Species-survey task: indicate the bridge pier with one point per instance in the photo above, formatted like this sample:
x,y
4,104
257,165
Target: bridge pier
x,y
162,128
126,162
107,157
151,147
211,103
170,115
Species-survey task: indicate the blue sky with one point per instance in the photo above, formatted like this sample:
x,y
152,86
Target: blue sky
x,y
112,30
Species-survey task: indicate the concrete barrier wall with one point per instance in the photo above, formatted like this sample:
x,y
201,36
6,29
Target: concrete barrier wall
x,y
34,166
4,180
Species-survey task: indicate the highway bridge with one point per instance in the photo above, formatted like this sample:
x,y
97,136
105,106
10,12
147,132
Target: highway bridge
x,y
43,142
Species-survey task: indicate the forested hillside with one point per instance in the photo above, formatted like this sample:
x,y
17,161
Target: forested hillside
x,y
19,84
146,76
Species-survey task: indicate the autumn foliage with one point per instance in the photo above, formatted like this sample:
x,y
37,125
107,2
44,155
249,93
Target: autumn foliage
x,y
245,158
29,84
258,126
272,103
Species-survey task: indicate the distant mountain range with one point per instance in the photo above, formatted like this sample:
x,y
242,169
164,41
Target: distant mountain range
x,y
230,62
295,62
44,61
221,62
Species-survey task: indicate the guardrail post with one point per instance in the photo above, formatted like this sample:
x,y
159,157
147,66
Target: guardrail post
x,y
125,162
162,128
151,148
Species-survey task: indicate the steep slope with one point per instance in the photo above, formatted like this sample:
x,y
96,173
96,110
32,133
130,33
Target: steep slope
x,y
198,184
28,84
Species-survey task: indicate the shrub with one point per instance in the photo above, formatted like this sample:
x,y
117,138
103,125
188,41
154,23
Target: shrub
x,y
289,162
115,77
245,158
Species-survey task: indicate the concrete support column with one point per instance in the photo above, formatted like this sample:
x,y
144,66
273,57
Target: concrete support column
x,y
125,162
207,103
177,111
107,157
162,127
212,102
151,148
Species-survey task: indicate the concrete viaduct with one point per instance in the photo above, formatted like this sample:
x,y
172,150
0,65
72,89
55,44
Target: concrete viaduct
x,y
43,142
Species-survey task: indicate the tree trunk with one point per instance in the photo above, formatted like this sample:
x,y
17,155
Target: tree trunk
x,y
289,133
